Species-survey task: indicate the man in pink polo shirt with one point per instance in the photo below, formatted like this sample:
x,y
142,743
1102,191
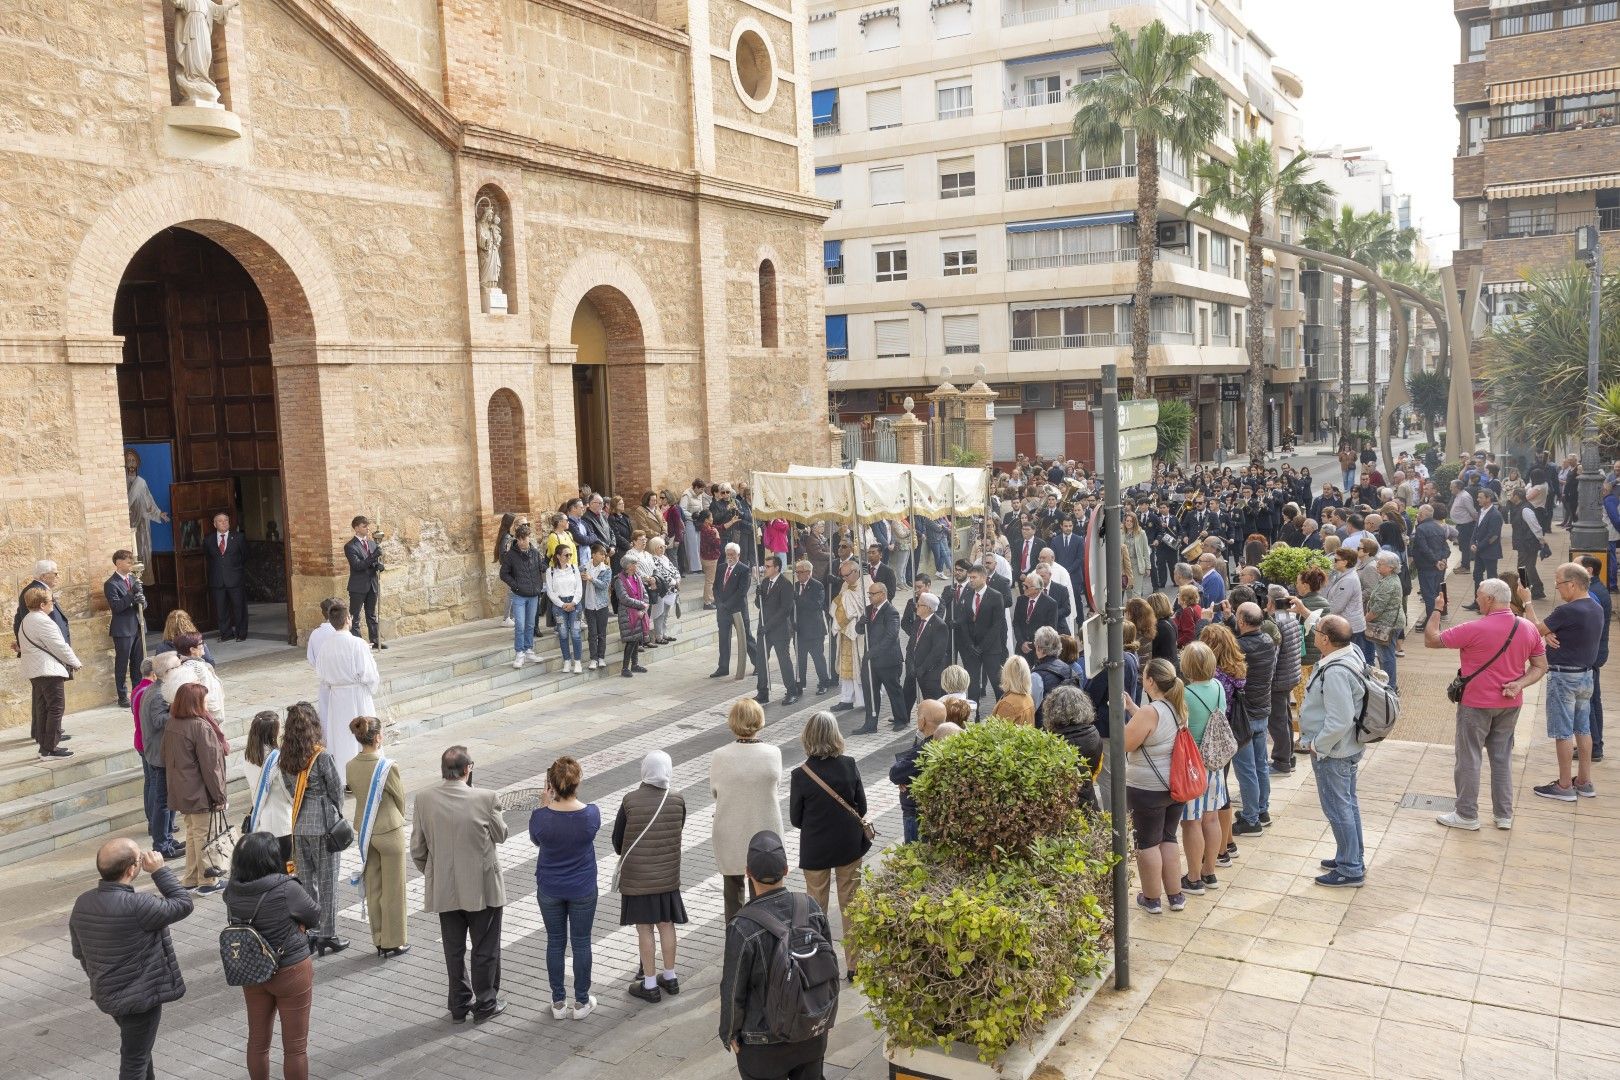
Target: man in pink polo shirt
x,y
1501,654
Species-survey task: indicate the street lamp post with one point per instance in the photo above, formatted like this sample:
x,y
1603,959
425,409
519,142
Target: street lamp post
x,y
1589,535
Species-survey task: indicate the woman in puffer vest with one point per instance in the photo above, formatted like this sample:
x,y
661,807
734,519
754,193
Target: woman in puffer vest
x,y
647,838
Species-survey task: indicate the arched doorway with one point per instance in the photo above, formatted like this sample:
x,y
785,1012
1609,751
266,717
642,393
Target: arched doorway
x,y
508,453
201,425
610,420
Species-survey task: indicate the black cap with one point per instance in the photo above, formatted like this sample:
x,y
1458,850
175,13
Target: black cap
x,y
767,861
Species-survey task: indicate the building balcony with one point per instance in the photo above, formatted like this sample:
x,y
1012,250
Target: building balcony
x,y
1077,176
1032,101
1468,83
1096,341
1525,224
1014,13
1509,259
1093,258
1591,151
1468,177
1589,47
1541,123
1470,5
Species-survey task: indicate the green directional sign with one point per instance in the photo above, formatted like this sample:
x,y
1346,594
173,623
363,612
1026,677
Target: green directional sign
x,y
1138,443
1138,414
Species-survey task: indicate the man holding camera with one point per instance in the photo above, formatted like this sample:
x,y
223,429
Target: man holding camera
x,y
125,599
365,566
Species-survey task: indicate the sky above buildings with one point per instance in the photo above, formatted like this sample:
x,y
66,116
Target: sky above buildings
x,y
1377,73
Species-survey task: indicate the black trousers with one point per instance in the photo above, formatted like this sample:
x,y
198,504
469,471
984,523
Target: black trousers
x,y
596,620
727,632
1281,727
1164,565
812,648
484,928
782,647
368,601
1483,569
137,1035
127,657
49,703
1465,536
875,679
783,1061
230,606
913,689
984,672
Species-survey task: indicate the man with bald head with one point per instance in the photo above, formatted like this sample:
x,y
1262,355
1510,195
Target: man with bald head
x,y
930,715
122,938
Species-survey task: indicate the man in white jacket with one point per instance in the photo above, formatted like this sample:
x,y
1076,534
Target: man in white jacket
x,y
1327,731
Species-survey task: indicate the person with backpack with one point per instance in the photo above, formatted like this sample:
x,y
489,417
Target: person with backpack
x,y
1150,737
780,981
1327,731
1206,720
264,900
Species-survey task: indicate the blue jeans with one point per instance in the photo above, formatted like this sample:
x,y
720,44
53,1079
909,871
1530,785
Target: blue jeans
x,y
1254,778
524,610
568,923
1336,789
568,632
1365,644
908,828
1569,704
1429,584
155,798
1386,660
1349,476
942,556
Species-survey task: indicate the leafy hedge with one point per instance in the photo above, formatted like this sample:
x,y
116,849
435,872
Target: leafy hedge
x,y
984,930
1283,564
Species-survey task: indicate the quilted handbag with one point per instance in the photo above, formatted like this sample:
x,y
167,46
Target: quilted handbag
x,y
246,957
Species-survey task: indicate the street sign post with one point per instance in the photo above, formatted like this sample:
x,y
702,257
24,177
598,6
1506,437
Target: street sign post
x,y
1134,416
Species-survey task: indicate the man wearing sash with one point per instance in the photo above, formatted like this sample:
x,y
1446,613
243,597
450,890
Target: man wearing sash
x,y
348,678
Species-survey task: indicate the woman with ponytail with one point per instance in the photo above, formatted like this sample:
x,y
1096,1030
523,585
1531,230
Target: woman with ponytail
x,y
1150,736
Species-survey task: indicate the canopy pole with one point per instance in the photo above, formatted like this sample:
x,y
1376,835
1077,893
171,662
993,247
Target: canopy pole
x,y
855,543
950,548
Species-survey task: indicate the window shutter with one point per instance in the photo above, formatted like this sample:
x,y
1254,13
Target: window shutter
x,y
1051,438
882,33
888,186
953,20
961,331
823,35
893,337
830,185
883,108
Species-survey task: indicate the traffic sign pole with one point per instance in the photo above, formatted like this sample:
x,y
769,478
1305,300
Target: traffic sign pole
x,y
1115,600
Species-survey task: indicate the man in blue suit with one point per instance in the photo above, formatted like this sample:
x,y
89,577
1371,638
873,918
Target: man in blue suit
x,y
1487,545
125,600
1068,548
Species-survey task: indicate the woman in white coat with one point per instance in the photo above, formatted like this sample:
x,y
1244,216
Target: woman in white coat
x,y
746,777
48,661
194,669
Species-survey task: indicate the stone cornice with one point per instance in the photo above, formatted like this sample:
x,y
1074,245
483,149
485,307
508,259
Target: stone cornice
x,y
634,25
341,35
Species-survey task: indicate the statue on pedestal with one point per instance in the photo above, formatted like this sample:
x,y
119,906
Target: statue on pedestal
x,y
489,255
194,49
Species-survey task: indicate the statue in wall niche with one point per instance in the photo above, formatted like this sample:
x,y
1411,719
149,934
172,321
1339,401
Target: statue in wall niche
x,y
194,48
489,244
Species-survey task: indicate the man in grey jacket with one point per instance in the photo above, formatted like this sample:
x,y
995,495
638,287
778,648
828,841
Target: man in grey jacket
x,y
1251,763
160,820
1327,730
121,937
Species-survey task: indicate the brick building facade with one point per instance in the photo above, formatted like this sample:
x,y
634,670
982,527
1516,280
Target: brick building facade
x,y
650,165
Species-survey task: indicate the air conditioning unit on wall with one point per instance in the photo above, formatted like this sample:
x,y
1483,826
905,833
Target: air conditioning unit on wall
x,y
1173,234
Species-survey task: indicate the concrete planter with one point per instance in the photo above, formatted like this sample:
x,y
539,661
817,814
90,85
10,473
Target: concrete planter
x,y
961,1061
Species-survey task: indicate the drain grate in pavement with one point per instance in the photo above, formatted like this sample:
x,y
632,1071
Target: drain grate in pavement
x,y
1426,802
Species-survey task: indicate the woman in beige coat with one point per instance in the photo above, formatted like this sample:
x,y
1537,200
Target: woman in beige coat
x,y
744,776
379,815
48,661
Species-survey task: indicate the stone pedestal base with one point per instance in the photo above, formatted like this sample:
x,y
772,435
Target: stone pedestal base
x,y
494,302
204,119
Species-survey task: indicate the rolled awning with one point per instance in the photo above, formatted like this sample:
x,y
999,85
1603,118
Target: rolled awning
x,y
1088,301
823,103
1556,86
1081,221
1552,187
837,333
1052,57
832,253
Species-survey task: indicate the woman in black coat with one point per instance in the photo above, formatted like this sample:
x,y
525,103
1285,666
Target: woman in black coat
x,y
833,840
1068,715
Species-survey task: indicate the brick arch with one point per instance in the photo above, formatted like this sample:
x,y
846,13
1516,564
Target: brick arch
x,y
272,244
768,305
628,297
508,453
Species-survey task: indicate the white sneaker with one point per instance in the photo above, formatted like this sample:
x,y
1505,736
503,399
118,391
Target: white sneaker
x,y
578,668
531,656
517,662
1504,823
506,622
559,1010
1452,821
579,1012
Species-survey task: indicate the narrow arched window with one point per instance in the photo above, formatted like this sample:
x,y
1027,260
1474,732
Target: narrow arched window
x,y
767,305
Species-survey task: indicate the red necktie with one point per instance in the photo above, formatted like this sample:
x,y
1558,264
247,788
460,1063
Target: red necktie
x,y
976,598
1027,545
1030,614
727,579
222,543
365,547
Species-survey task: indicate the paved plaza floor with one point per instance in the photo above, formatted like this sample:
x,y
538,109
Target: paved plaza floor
x,y
1486,954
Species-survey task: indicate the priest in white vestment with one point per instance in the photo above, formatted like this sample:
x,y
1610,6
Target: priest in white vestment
x,y
348,677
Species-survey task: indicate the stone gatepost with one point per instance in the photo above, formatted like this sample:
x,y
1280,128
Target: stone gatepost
x,y
835,445
979,409
946,400
908,437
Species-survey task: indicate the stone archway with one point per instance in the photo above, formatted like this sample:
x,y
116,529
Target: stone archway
x,y
508,453
610,391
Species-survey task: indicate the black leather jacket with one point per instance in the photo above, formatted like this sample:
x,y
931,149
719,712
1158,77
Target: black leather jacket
x,y
288,912
749,950
121,936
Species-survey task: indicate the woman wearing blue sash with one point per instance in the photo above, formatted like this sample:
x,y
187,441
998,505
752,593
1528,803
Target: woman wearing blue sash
x,y
380,838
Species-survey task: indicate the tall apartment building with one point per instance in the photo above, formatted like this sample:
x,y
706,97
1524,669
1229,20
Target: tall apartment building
x,y
971,230
1538,152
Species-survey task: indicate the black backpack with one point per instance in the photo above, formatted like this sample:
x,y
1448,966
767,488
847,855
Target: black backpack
x,y
801,994
246,957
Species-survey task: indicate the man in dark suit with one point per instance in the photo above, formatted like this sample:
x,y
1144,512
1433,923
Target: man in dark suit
x,y
1060,599
1068,548
920,585
883,537
997,582
1032,611
731,610
949,599
1026,553
981,634
928,652
1487,540
365,564
884,661
776,618
810,627
225,555
125,600
880,571
45,577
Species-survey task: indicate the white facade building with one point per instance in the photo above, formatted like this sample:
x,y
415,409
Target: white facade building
x,y
970,230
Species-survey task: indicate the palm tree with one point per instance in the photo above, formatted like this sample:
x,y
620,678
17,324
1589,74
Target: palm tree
x,y
1156,93
1253,187
1418,277
1431,392
1385,244
1350,236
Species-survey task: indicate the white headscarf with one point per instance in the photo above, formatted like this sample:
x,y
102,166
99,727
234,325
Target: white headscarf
x,y
657,769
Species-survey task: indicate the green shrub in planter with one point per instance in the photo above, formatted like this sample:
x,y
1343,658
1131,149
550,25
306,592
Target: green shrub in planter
x,y
982,952
1444,475
1284,564
996,788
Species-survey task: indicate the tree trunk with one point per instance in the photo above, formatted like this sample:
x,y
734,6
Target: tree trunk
x,y
1256,343
1147,234
1347,292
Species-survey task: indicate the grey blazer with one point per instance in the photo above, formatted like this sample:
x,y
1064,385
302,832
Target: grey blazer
x,y
453,843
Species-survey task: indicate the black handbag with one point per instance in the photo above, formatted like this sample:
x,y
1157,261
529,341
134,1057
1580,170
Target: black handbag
x,y
246,957
1455,688
339,834
1240,719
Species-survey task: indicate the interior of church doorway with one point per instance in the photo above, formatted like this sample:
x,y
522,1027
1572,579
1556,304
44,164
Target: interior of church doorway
x,y
197,399
592,432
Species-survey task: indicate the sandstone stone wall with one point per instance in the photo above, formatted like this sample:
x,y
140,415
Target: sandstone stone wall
x,y
408,30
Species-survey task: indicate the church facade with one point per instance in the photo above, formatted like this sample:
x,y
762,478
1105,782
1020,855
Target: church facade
x,y
428,261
